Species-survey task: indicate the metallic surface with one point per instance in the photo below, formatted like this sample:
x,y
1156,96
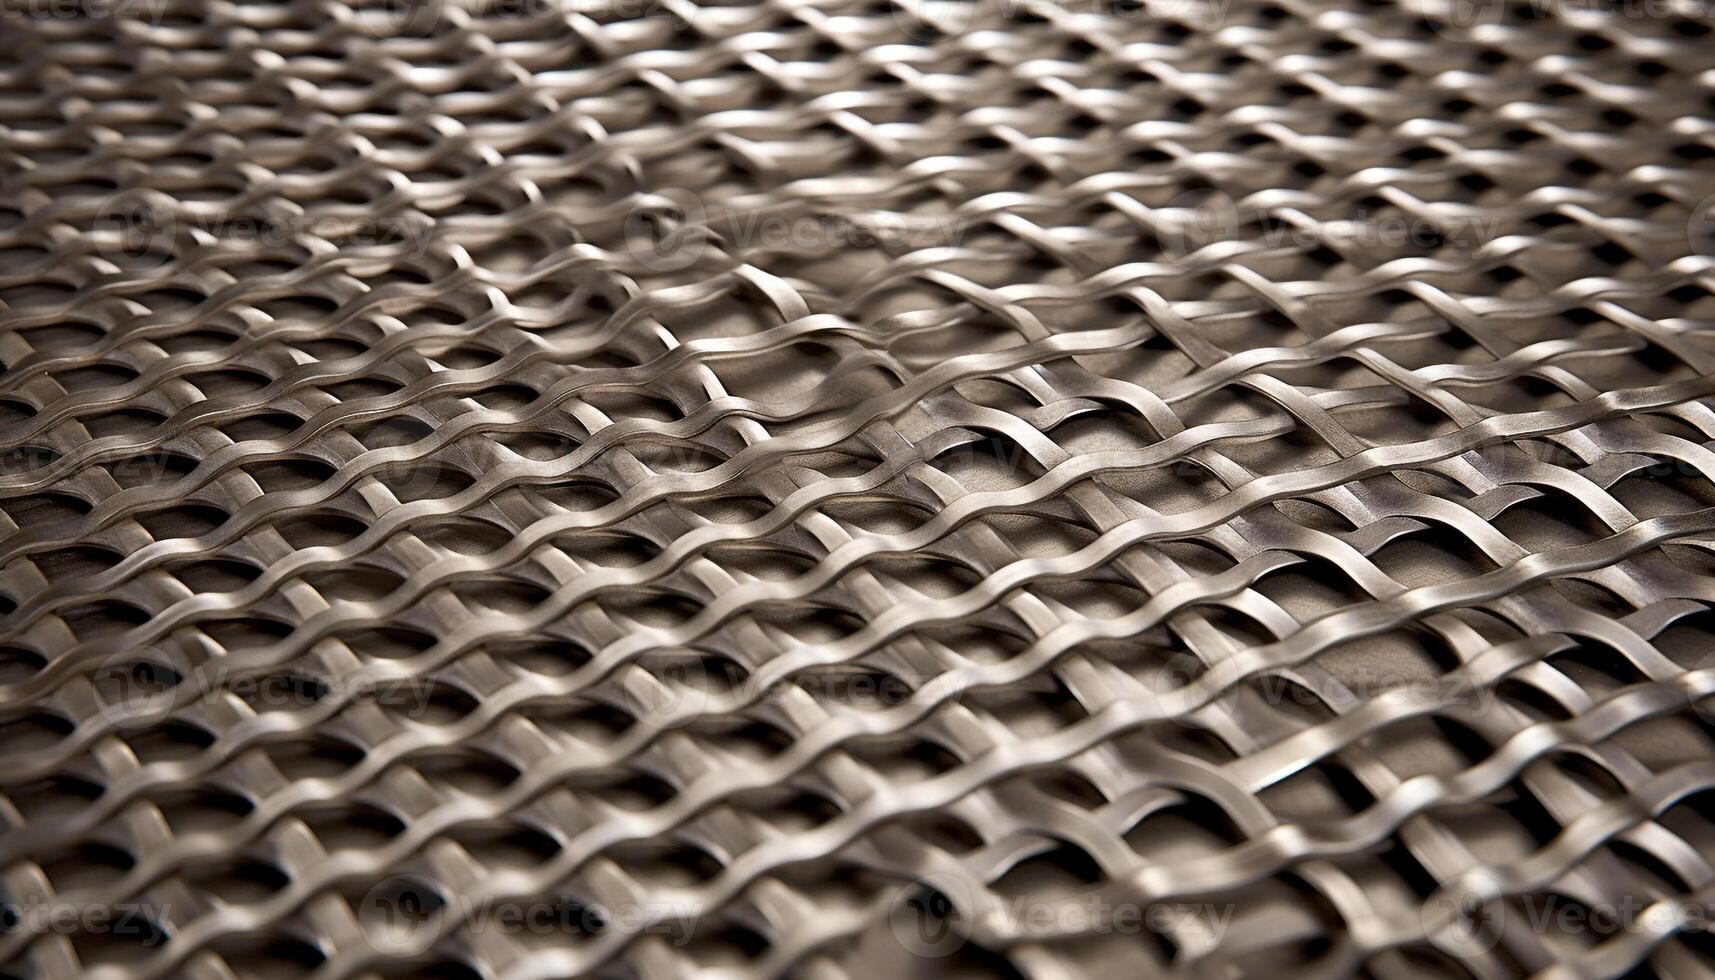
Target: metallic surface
x,y
848,488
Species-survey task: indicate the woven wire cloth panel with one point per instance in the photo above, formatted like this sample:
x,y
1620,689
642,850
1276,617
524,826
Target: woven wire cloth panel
x,y
844,488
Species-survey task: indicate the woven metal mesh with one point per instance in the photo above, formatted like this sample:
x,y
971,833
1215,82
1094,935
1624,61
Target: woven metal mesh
x,y
844,487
